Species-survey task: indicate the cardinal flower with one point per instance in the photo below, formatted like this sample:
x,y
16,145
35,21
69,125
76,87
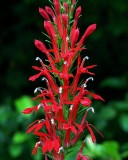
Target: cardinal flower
x,y
64,96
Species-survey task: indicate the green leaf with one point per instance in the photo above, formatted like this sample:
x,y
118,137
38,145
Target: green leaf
x,y
15,150
108,113
112,149
71,155
73,151
121,105
123,121
22,103
93,149
19,137
114,82
39,156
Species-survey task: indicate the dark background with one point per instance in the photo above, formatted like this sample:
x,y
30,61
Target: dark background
x,y
20,24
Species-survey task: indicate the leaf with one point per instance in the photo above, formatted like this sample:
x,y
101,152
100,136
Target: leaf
x,y
112,149
72,152
93,149
121,105
108,113
114,82
123,121
15,150
19,137
22,103
71,155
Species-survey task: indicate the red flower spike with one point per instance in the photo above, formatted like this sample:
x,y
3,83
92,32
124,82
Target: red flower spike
x,y
62,99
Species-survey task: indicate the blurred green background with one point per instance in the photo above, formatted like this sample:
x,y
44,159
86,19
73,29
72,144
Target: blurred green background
x,y
20,24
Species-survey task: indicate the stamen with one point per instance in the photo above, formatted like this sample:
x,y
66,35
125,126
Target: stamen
x,y
44,79
84,85
38,89
61,149
91,108
90,78
39,143
38,59
52,121
67,38
86,57
60,90
41,120
65,62
40,105
71,106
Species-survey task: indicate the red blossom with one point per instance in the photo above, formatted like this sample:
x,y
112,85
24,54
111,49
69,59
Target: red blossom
x,y
30,110
86,102
49,145
50,11
44,14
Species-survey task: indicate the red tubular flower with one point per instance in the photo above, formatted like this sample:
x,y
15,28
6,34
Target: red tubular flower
x,y
50,12
40,45
52,33
57,6
88,31
81,70
65,35
79,155
58,15
66,7
74,37
77,14
49,145
44,14
86,102
45,72
30,110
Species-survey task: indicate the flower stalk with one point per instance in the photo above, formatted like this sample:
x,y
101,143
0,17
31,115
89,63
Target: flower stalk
x,y
63,98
